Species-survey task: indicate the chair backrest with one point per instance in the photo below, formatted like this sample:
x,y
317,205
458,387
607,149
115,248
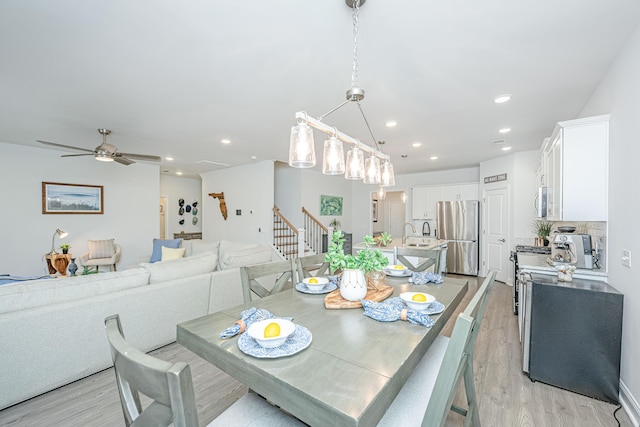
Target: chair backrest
x,y
169,385
281,271
458,362
311,265
426,258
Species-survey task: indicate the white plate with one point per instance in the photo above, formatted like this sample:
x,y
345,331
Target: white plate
x,y
436,307
417,305
296,342
406,273
329,287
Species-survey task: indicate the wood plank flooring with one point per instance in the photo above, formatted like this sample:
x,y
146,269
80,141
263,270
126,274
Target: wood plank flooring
x,y
506,396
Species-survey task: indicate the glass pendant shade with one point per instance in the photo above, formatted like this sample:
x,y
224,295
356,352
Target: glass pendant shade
x,y
403,196
333,157
355,164
302,153
387,177
372,170
382,193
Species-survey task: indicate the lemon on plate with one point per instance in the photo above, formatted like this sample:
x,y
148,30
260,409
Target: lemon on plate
x,y
272,330
398,267
419,298
313,281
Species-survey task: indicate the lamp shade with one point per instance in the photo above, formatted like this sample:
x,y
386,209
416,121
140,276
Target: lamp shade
x,y
333,157
372,170
387,177
302,153
355,164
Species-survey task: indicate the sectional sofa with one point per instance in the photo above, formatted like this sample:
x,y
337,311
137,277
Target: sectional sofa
x,y
52,331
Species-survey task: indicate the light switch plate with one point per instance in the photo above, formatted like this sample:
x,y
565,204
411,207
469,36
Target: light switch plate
x,y
626,258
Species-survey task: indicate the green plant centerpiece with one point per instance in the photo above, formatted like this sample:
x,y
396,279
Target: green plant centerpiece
x,y
65,248
542,228
353,283
383,239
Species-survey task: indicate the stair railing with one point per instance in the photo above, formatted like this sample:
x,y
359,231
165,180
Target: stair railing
x,y
314,231
285,235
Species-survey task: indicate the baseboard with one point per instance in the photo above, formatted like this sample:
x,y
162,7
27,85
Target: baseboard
x,y
629,404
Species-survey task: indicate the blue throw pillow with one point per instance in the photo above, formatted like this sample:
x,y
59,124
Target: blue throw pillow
x,y
156,255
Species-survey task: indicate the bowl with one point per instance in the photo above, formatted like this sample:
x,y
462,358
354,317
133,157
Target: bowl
x,y
407,297
566,229
322,282
396,270
256,331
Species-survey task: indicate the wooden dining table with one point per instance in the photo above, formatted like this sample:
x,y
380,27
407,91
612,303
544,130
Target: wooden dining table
x,y
352,370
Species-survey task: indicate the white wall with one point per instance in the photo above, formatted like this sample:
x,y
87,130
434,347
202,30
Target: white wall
x,y
249,188
619,94
131,195
316,184
189,189
288,192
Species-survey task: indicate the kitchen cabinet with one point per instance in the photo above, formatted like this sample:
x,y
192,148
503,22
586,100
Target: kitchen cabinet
x,y
459,192
425,199
574,163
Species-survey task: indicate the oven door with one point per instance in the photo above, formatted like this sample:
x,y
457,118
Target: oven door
x,y
514,258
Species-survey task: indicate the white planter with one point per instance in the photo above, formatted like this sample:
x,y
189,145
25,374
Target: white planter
x,y
353,285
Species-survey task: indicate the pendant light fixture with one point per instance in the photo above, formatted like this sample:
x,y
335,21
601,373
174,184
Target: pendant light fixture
x,y
301,144
403,196
382,193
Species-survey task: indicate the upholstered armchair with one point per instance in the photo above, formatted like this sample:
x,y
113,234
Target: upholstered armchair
x,y
102,252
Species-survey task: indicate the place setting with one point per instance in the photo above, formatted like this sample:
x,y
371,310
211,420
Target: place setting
x,y
268,336
318,285
412,307
397,270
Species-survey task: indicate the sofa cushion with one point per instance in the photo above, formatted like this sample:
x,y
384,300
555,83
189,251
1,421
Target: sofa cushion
x,y
156,255
23,295
169,253
184,267
246,256
198,247
101,249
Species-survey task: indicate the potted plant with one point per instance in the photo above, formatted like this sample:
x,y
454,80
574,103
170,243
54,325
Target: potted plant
x,y
335,224
542,228
383,239
353,284
65,248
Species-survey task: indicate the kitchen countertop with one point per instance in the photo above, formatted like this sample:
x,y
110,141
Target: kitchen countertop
x,y
397,242
538,263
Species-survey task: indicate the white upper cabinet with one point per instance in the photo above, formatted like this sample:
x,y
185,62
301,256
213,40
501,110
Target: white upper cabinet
x,y
576,160
425,199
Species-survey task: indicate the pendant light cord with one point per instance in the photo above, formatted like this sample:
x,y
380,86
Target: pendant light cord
x,y
354,70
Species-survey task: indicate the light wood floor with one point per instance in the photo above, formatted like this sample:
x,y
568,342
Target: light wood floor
x,y
506,396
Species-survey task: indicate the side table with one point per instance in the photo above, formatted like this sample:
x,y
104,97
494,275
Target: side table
x,y
58,263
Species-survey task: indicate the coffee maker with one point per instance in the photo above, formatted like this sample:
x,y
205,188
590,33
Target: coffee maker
x,y
572,249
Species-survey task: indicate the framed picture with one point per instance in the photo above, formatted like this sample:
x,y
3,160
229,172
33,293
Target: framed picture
x,y
375,210
58,198
330,205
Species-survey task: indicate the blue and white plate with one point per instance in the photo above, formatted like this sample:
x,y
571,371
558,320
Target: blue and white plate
x,y
297,341
436,307
392,273
329,287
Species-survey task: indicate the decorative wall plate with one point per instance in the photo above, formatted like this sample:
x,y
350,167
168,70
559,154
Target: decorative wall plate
x,y
194,220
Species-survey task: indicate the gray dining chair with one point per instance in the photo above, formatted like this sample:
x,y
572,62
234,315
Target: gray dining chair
x,y
280,272
311,265
170,387
427,396
426,258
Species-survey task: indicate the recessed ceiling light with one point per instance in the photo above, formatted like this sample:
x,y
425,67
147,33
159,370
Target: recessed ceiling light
x,y
178,173
502,98
225,141
506,148
505,130
391,124
433,157
254,157
169,158
417,144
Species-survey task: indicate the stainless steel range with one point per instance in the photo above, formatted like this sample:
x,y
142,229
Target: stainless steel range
x,y
514,257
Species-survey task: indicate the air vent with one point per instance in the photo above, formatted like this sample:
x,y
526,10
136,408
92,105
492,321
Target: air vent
x,y
211,162
498,141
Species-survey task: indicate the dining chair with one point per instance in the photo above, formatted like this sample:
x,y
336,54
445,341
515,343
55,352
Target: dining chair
x,y
170,387
426,258
427,396
311,265
280,271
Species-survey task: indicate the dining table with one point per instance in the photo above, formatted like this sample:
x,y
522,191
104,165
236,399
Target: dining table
x,y
353,367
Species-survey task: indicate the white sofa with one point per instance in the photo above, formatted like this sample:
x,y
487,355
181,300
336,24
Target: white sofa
x,y
52,331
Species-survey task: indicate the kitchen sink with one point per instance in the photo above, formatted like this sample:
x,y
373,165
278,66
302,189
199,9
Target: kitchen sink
x,y
418,245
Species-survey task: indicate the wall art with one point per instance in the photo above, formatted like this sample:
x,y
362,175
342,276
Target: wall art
x,y
59,198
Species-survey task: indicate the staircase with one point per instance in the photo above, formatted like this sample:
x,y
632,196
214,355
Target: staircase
x,y
292,242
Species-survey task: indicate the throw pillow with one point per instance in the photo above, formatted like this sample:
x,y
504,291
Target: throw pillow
x,y
244,257
156,255
170,253
101,249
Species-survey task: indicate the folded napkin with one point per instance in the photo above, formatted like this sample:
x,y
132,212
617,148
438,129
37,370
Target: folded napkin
x,y
423,277
333,279
395,309
247,318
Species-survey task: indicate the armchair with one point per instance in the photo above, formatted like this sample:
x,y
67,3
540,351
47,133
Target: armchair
x,y
101,252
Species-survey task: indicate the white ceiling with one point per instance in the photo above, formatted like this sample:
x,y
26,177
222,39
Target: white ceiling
x,y
173,78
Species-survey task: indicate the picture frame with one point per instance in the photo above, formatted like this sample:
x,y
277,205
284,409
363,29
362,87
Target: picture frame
x,y
60,198
374,207
330,205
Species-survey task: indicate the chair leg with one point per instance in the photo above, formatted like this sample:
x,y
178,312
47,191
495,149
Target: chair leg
x,y
473,416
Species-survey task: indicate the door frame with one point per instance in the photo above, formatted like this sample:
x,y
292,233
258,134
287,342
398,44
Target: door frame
x,y
482,271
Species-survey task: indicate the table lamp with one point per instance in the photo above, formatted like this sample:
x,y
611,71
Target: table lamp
x,y
62,235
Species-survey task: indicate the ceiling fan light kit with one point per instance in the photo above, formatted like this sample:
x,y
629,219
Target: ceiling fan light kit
x,y
302,147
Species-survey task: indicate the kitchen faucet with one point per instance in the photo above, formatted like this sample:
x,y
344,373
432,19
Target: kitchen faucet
x,y
404,231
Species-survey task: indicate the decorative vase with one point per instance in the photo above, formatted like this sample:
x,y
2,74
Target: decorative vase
x,y
353,285
73,267
546,241
376,279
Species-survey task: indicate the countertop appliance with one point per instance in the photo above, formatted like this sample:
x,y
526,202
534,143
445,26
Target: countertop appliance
x,y
572,249
514,258
458,223
573,335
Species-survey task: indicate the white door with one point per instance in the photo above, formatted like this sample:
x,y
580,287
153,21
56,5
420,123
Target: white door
x,y
497,232
396,218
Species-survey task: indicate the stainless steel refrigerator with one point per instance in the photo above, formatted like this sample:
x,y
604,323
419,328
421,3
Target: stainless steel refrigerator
x,y
458,223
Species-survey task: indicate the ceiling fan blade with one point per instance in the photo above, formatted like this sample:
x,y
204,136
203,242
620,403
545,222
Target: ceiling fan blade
x,y
64,146
122,160
140,156
76,155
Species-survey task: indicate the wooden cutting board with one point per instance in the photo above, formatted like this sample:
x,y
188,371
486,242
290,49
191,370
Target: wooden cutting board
x,y
334,300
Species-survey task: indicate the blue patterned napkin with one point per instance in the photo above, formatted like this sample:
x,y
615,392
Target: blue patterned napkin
x,y
424,277
391,310
248,317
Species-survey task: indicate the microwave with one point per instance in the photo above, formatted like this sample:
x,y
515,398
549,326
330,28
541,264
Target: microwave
x,y
541,202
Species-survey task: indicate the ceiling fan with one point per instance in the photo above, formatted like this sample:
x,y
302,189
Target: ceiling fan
x,y
105,152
